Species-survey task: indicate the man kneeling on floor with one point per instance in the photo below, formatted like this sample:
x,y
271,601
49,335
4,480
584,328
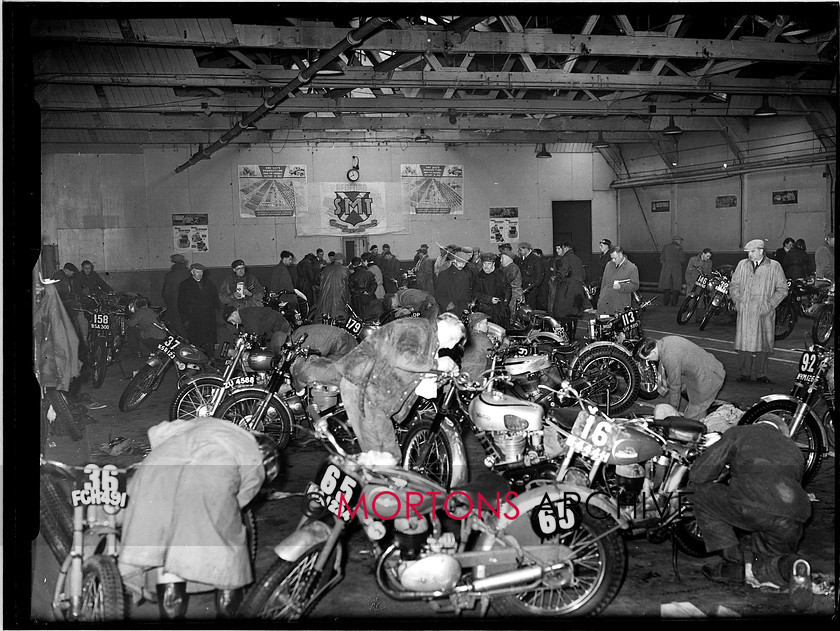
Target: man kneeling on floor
x,y
761,494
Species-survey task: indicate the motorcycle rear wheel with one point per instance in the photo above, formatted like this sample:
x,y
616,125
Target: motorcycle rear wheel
x,y
689,538
190,397
647,382
785,319
243,405
438,463
102,590
622,380
823,324
99,362
689,306
65,420
808,437
56,518
594,581
277,594
139,388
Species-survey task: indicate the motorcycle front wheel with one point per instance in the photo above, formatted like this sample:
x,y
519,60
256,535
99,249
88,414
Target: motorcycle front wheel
x,y
585,587
711,312
140,387
99,362
190,397
785,319
823,324
65,421
437,465
689,306
285,591
808,437
102,590
241,407
647,381
612,373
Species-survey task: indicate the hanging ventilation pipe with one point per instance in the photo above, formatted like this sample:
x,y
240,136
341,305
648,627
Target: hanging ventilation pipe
x,y
353,38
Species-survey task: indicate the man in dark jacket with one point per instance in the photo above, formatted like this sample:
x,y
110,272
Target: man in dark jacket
x,y
453,290
391,272
176,275
329,344
89,282
568,293
787,244
261,321
335,291
415,299
424,270
597,274
492,292
198,300
750,480
241,288
796,263
309,277
671,275
281,280
362,285
532,270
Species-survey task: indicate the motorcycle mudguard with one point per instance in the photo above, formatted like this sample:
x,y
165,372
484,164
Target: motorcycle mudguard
x,y
544,336
589,347
460,470
296,544
581,495
154,360
216,379
778,397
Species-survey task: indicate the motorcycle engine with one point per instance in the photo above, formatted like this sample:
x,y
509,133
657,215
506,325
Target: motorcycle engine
x,y
629,479
426,563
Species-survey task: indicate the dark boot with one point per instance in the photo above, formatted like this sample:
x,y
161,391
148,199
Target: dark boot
x,y
730,570
667,300
228,602
676,299
173,600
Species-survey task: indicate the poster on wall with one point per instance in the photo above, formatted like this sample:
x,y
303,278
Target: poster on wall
x,y
504,224
349,209
661,206
785,197
190,231
726,201
433,189
273,190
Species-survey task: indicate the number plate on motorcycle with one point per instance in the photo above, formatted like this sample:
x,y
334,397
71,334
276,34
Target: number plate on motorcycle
x,y
168,347
100,486
100,321
723,287
702,281
630,320
353,326
592,437
336,490
808,365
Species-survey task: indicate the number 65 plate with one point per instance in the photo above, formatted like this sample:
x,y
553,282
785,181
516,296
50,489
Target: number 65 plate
x,y
336,490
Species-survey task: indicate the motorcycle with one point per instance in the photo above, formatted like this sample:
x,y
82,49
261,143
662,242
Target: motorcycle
x,y
107,315
700,291
721,300
529,322
516,556
823,327
814,383
625,329
296,317
175,349
805,295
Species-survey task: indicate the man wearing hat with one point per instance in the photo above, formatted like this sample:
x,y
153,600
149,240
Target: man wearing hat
x,y
533,271
176,275
670,278
453,286
424,270
281,280
198,300
758,286
824,258
422,251
335,291
241,288
761,495
391,272
604,247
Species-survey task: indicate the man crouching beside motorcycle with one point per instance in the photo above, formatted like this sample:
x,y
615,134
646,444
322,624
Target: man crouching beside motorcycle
x,y
382,376
184,522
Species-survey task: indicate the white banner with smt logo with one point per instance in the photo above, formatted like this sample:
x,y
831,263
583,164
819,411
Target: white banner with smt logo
x,y
345,208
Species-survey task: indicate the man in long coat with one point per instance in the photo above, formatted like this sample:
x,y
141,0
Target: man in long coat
x,y
197,304
492,292
362,284
335,291
391,271
425,271
281,280
568,294
758,286
670,278
176,275
453,287
533,270
309,276
698,264
621,279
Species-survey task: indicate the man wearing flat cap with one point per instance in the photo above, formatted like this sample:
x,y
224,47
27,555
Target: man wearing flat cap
x,y
533,271
176,275
198,300
758,286
670,278
240,288
391,272
453,286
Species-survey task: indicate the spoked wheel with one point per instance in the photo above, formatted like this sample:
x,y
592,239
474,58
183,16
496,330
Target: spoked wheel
x,y
689,306
688,536
242,406
99,362
586,585
823,324
102,590
141,386
785,319
808,437
437,465
647,381
288,591
56,517
613,375
711,312
191,397
65,421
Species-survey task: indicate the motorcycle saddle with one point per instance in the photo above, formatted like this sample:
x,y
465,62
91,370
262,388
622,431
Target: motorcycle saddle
x,y
680,424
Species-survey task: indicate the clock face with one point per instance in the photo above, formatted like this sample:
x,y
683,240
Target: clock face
x,y
353,175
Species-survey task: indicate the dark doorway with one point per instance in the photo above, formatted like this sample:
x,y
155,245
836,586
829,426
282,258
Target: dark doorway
x,y
572,221
354,246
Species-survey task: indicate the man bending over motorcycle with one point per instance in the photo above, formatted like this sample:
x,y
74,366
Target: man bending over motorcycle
x,y
262,321
184,520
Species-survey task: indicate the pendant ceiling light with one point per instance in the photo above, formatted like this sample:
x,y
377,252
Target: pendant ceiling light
x,y
543,152
335,67
423,137
671,129
600,143
765,109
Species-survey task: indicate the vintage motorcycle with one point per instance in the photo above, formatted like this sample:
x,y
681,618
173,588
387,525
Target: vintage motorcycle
x,y
699,292
107,315
296,317
721,300
814,382
805,295
823,327
515,555
188,361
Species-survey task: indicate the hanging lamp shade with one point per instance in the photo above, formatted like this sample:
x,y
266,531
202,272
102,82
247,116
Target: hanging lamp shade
x,y
423,137
600,143
672,129
765,109
543,152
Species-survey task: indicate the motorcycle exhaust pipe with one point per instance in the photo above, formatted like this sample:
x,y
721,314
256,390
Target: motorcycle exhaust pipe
x,y
509,579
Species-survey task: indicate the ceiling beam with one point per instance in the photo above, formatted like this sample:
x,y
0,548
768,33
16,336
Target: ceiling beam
x,y
426,40
591,21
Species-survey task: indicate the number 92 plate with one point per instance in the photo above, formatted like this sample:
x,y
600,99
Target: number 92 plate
x,y
336,491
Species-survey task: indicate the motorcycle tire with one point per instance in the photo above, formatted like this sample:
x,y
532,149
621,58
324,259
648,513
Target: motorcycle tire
x,y
689,539
56,517
244,404
808,437
99,362
785,319
65,421
711,312
191,396
598,574
139,388
686,312
274,596
623,377
249,520
102,591
823,327
438,463
648,382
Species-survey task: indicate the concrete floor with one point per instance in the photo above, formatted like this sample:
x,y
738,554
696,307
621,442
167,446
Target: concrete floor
x,y
649,583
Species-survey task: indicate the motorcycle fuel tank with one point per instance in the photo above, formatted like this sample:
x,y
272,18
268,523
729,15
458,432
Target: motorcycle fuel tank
x,y
527,364
630,445
497,412
260,359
